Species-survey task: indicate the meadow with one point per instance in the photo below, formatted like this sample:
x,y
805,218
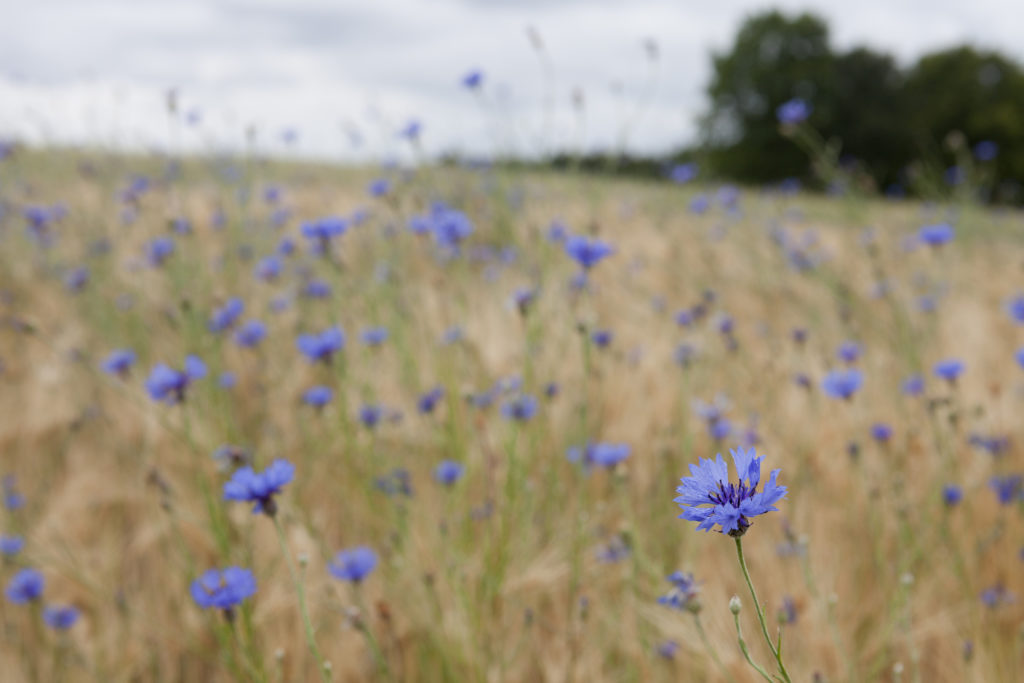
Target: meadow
x,y
492,383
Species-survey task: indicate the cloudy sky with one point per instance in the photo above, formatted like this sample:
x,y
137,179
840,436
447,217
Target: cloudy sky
x,y
347,74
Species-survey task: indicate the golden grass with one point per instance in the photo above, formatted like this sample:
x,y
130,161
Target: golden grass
x,y
116,515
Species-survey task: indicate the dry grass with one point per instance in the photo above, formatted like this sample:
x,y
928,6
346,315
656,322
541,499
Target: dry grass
x,y
117,520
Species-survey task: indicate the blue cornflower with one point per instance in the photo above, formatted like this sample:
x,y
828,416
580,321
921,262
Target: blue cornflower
x,y
159,250
667,649
317,289
849,352
842,383
719,429
182,226
949,369
936,235
473,79
322,230
683,594
681,174
428,401
523,298
77,279
557,232
169,385
520,408
952,494
223,588
793,112
1015,308
227,380
731,505
60,617
250,334
1007,488
226,316
913,385
379,187
286,247
318,396
986,150
996,596
370,415
685,318
248,486
1019,355
27,585
587,252
11,545
600,454
450,227
353,564
321,346
601,338
374,336
700,204
448,472
881,432
119,362
268,269
411,131
13,500
551,389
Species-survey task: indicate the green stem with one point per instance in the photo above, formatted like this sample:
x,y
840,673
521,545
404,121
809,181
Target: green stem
x,y
307,624
760,613
746,652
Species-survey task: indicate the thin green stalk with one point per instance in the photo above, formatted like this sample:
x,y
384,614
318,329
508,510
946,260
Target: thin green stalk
x,y
745,651
301,591
760,613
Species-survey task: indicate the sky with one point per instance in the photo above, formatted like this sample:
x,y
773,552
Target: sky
x,y
347,75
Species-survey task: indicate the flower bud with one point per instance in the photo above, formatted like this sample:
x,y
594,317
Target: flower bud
x,y
735,605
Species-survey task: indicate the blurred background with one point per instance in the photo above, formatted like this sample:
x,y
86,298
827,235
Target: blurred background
x,y
640,80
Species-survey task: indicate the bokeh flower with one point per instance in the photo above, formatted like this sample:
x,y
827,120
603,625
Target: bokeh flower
x,y
223,588
353,564
247,485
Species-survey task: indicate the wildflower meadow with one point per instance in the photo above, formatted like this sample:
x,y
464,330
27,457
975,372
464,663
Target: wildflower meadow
x,y
270,420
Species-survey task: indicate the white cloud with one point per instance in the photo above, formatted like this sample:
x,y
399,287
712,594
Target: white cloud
x,y
97,71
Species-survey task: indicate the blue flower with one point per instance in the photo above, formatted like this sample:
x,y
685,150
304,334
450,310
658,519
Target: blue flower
x,y
159,250
353,564
681,174
606,455
1019,355
473,79
842,383
321,346
428,401
881,432
77,279
118,362
318,396
986,150
223,589
448,472
225,316
667,649
936,235
601,338
730,505
683,594
250,334
913,385
169,385
13,500
248,486
317,289
322,230
793,112
374,336
1007,488
11,545
949,369
849,352
60,617
520,408
370,415
268,269
587,252
997,595
1015,308
450,227
26,586
379,187
227,380
952,494
411,131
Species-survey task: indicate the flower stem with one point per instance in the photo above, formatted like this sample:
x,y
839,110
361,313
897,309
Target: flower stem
x,y
746,652
307,624
760,613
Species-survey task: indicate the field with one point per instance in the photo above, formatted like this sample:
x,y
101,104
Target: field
x,y
541,559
